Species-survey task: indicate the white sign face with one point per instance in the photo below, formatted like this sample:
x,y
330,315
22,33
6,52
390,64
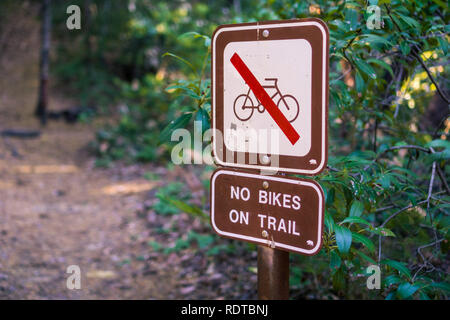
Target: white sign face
x,y
270,95
277,60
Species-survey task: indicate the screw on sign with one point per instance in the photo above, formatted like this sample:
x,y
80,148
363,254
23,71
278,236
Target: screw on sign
x,y
271,76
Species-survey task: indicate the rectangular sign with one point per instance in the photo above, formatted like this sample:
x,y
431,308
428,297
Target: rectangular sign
x,y
283,213
270,95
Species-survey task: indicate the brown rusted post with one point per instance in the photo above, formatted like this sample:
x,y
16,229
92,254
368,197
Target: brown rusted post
x,y
273,274
41,108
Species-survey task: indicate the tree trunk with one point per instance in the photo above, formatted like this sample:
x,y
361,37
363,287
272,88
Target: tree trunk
x,y
41,108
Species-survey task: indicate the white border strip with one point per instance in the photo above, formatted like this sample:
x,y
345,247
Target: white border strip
x,y
260,240
324,57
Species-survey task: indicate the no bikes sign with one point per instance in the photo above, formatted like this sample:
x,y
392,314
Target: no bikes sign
x,y
269,113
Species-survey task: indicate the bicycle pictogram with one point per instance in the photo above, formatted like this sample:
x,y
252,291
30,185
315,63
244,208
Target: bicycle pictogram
x,y
244,107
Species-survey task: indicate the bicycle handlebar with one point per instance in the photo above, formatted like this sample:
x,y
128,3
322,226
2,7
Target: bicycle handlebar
x,y
271,79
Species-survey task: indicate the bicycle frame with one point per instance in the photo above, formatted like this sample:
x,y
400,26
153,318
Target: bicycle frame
x,y
275,86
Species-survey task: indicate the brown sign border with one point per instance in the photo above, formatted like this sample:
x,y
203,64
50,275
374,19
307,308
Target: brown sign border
x,y
308,29
261,240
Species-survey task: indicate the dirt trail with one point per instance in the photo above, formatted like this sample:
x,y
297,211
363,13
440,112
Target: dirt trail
x,y
55,212
55,208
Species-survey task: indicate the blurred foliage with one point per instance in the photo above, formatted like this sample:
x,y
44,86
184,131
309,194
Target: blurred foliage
x,y
386,195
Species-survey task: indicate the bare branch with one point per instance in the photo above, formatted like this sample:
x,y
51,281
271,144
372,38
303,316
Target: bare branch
x,y
396,148
425,261
392,216
418,58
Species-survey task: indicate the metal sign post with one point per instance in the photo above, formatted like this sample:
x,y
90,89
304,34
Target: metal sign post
x,y
273,274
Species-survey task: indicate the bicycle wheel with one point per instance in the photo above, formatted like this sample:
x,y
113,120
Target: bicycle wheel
x,y
289,106
241,111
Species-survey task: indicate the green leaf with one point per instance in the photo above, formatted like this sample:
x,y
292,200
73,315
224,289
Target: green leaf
x,y
335,261
180,122
385,232
444,44
202,120
185,207
364,240
390,296
439,156
356,220
203,240
382,64
441,286
190,65
364,256
392,279
356,209
406,289
329,222
439,143
155,245
365,68
196,35
374,39
423,295
343,238
339,278
188,91
360,84
410,22
405,48
330,196
400,267
385,181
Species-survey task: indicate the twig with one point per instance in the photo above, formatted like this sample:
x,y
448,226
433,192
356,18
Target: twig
x,y
406,208
374,139
423,258
438,88
392,216
430,188
347,46
418,58
396,148
379,249
441,174
441,122
344,74
385,208
443,180
397,104
332,169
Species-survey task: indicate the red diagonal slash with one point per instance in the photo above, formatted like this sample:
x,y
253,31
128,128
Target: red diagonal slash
x,y
265,99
